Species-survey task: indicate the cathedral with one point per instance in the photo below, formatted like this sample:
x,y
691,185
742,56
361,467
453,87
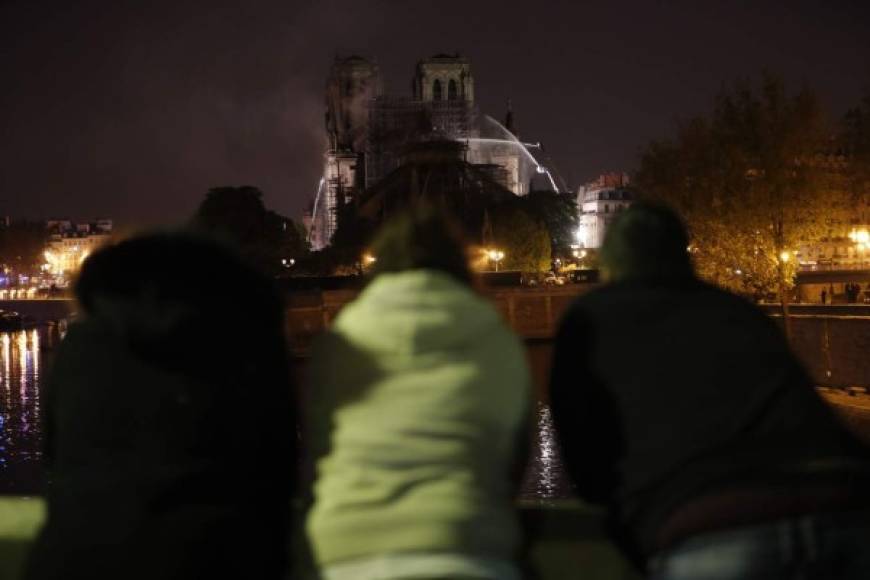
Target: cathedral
x,y
369,134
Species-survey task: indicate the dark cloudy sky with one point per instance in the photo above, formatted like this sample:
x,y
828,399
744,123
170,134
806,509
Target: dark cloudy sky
x,y
133,109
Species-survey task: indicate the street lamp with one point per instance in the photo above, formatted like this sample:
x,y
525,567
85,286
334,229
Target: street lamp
x,y
496,256
861,239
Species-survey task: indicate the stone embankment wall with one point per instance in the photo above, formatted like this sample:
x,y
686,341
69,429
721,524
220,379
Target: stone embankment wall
x,y
533,313
833,342
835,349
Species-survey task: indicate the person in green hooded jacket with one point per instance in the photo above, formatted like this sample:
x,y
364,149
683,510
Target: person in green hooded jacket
x,y
419,406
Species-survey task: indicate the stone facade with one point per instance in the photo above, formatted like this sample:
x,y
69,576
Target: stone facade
x,y
444,77
70,243
369,132
599,202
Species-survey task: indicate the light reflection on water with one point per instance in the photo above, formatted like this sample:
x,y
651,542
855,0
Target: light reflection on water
x,y
20,429
545,479
21,366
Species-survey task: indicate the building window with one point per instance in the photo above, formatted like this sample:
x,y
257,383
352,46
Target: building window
x,y
452,93
436,90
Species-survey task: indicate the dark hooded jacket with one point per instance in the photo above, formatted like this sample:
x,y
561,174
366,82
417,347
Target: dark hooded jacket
x,y
169,425
667,390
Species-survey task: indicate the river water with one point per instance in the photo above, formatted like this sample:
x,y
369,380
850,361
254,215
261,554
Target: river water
x,y
26,355
22,363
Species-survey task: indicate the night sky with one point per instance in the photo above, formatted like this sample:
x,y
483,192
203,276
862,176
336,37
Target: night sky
x,y
133,110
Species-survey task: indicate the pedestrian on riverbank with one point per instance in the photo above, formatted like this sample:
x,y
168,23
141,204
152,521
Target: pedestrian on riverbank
x,y
419,414
168,421
824,296
680,407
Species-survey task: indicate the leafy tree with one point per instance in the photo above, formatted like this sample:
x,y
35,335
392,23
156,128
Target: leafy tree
x,y
353,234
752,183
263,237
855,139
524,240
558,213
22,245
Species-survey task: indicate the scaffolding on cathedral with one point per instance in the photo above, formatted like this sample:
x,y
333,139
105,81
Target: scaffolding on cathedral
x,y
395,122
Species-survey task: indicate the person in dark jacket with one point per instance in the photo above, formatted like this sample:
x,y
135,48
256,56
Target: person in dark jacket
x,y
168,418
680,407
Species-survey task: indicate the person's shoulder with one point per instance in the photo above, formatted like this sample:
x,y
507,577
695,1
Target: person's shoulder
x,y
724,299
589,306
608,296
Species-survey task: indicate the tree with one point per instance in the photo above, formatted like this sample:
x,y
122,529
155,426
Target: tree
x,y
22,245
855,139
353,234
752,183
558,212
263,237
524,240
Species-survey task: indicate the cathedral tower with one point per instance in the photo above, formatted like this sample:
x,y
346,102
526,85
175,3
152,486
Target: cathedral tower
x,y
353,83
444,77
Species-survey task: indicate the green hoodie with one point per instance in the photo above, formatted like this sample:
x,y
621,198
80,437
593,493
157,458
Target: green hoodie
x,y
419,394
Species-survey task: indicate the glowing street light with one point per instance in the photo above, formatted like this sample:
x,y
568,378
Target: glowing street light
x,y
861,239
784,256
496,256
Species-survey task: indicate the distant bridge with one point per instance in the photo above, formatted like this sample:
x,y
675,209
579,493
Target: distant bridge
x,y
861,276
41,309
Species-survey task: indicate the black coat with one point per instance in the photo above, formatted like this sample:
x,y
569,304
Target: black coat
x,y
169,423
662,391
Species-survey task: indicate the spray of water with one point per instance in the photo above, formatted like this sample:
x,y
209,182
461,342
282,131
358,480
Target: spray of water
x,y
509,138
513,142
552,181
314,209
556,177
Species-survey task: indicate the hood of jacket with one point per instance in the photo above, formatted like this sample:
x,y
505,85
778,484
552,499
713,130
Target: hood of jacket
x,y
416,311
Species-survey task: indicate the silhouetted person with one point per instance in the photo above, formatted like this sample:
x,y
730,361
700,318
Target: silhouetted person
x,y
420,402
680,407
168,421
